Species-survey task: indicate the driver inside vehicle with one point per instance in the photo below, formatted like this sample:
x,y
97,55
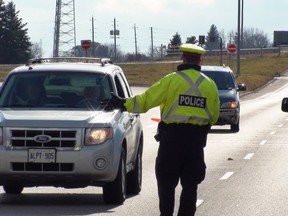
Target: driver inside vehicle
x,y
92,97
34,94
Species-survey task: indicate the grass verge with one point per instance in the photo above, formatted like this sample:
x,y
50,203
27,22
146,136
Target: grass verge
x,y
255,71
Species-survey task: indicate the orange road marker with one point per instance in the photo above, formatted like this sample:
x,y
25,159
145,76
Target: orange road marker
x,y
155,119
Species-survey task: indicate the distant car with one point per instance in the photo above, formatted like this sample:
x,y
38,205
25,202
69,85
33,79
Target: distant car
x,y
228,94
57,130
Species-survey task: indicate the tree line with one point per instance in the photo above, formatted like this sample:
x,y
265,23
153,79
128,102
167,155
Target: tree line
x,y
215,40
16,47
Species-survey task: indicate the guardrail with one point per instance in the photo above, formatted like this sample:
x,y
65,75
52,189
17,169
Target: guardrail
x,y
260,51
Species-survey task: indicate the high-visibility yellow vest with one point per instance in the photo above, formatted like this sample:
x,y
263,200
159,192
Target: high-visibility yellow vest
x,y
186,96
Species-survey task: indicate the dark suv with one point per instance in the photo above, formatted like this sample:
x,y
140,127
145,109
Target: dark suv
x,y
228,94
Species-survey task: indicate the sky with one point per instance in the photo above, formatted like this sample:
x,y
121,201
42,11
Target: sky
x,y
161,17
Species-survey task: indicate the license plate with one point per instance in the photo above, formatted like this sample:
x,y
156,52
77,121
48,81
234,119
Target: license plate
x,y
42,155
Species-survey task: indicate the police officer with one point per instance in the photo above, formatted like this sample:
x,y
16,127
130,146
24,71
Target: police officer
x,y
189,105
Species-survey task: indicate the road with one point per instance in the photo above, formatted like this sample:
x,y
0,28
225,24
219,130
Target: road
x,y
247,171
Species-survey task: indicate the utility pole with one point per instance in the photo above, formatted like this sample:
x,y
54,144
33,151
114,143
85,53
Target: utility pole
x,y
152,46
115,53
135,36
93,38
242,20
114,34
238,38
221,54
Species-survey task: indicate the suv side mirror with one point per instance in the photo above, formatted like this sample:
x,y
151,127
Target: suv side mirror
x,y
284,105
241,87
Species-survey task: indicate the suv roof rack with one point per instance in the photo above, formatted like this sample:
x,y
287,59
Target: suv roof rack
x,y
103,61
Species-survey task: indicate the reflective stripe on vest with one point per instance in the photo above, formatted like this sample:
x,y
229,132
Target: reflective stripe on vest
x,y
193,88
136,108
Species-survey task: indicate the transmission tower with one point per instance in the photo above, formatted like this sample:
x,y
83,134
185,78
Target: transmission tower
x,y
64,31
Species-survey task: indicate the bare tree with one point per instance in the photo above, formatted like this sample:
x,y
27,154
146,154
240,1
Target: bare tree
x,y
252,38
36,50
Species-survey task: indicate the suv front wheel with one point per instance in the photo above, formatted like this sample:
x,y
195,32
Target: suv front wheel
x,y
235,127
115,192
12,189
134,178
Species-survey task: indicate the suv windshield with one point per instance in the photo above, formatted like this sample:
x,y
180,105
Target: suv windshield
x,y
55,89
223,80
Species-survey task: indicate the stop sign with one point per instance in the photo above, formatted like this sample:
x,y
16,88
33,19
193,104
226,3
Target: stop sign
x,y
232,48
85,44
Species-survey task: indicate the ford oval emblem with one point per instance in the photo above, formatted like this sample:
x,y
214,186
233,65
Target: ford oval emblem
x,y
42,138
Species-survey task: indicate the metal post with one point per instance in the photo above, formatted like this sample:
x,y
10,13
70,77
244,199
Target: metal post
x,y
152,46
238,39
242,20
115,35
93,38
135,37
221,54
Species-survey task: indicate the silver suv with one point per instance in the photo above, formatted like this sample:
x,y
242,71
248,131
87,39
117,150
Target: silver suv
x,y
57,130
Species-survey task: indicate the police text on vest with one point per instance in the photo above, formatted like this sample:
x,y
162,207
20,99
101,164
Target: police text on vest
x,y
194,101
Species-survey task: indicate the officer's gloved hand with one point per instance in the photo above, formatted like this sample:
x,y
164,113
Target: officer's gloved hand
x,y
117,102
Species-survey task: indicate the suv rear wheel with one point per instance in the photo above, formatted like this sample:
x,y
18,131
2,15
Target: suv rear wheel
x,y
115,192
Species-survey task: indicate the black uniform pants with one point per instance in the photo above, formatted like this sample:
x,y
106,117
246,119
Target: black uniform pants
x,y
180,157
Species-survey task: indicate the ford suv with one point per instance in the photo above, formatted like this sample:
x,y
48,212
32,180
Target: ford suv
x,y
56,128
228,91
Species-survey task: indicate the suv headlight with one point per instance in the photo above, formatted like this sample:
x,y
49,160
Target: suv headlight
x,y
96,136
229,105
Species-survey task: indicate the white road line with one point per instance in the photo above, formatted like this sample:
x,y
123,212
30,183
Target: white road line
x,y
226,176
199,202
263,142
280,125
249,156
272,132
263,96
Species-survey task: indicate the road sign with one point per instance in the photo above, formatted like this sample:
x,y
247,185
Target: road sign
x,y
85,44
232,48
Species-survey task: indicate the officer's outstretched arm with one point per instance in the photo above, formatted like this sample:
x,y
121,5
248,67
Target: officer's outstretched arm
x,y
117,102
